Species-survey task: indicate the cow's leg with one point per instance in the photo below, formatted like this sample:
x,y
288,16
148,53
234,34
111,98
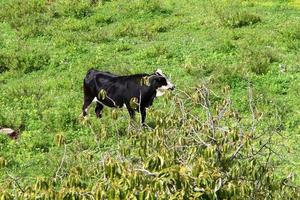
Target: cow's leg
x,y
143,115
86,102
130,111
98,109
87,99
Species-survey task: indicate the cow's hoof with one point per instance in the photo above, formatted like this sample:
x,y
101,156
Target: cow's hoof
x,y
83,119
144,125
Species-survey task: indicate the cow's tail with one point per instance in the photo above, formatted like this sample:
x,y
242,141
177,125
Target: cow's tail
x,y
87,80
89,75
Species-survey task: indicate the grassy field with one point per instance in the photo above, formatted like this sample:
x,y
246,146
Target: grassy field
x,y
46,48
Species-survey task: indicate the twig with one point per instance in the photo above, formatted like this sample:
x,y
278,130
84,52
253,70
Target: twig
x,y
277,154
148,173
198,139
257,152
236,152
61,162
205,97
16,182
221,113
250,91
204,92
182,110
88,194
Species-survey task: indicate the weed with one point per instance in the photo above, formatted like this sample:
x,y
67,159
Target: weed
x,y
231,15
258,60
241,19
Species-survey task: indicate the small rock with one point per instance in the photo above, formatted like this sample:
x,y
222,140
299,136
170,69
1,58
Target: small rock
x,y
282,67
13,134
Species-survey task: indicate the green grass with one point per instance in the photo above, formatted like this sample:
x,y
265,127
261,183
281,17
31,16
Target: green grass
x,y
46,47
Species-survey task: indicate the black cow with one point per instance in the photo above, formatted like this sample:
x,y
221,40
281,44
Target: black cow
x,y
136,92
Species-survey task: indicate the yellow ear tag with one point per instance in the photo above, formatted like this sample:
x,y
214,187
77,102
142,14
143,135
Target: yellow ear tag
x,y
134,104
102,94
145,81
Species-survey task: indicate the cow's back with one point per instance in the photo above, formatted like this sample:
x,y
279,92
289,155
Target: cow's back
x,y
94,74
96,80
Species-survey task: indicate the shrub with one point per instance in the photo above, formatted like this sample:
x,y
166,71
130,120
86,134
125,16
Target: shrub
x,y
69,8
26,59
290,32
16,12
156,51
240,19
258,59
230,14
144,30
103,19
4,59
155,7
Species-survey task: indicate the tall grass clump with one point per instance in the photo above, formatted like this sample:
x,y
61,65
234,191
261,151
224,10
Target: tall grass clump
x,y
258,60
10,11
290,32
231,14
26,59
152,7
70,8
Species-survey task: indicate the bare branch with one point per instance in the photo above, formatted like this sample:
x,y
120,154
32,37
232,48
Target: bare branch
x,y
148,173
252,107
224,109
16,182
236,152
61,162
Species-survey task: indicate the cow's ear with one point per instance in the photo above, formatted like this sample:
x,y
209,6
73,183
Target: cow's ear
x,y
159,72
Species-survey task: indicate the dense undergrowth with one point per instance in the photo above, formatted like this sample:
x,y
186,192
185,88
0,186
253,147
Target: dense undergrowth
x,y
189,149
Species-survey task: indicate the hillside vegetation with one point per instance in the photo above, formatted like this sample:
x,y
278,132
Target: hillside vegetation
x,y
230,130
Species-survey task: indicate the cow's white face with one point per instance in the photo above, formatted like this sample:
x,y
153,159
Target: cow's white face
x,y
168,86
